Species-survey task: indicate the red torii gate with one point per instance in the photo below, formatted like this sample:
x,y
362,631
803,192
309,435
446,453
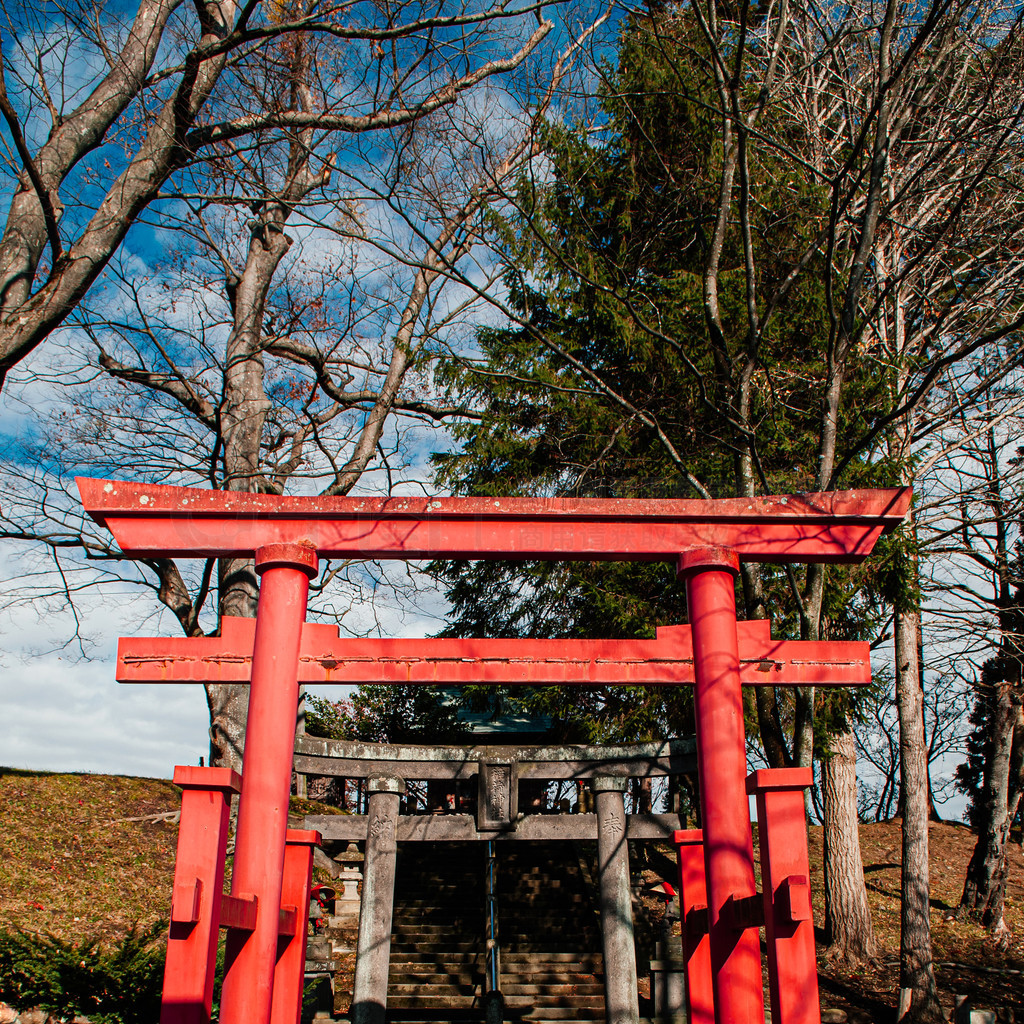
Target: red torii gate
x,y
708,538
325,658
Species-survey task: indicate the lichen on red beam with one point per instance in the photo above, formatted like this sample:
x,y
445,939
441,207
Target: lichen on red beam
x,y
158,520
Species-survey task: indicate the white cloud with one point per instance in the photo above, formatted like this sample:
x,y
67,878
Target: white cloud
x,y
60,711
59,715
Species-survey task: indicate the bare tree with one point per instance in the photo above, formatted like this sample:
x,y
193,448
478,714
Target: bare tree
x,y
277,345
975,521
877,737
146,112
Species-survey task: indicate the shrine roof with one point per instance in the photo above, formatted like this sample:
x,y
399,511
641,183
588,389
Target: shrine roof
x,y
157,519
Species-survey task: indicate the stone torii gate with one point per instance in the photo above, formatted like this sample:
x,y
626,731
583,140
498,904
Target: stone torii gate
x,y
287,535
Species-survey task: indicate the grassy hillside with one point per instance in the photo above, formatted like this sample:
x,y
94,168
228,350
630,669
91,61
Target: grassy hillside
x,y
73,863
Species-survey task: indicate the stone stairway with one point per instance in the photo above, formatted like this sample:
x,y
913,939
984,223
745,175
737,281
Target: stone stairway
x,y
437,940
550,936
548,930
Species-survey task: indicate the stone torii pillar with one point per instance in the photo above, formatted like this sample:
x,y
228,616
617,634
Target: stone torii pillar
x,y
620,989
373,949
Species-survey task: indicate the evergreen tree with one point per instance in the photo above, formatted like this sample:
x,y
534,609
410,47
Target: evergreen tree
x,y
606,382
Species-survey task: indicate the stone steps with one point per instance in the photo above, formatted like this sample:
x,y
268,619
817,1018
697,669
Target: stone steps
x,y
551,969
562,1014
551,972
409,948
517,989
544,977
589,960
436,955
436,969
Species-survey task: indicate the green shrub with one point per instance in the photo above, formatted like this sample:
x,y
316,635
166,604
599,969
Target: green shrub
x,y
120,985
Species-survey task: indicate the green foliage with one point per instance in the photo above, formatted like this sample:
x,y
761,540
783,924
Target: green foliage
x,y
120,985
332,720
387,714
608,381
896,574
406,714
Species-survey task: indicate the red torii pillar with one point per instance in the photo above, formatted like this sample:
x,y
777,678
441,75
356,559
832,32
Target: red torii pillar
x,y
693,925
722,756
286,535
250,958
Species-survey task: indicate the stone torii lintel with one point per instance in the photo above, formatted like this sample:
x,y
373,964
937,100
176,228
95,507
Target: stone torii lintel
x,y
324,657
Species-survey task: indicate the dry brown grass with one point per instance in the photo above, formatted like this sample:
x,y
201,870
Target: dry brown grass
x,y
70,865
987,972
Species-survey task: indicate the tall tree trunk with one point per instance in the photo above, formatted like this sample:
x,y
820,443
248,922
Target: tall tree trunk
x,y
229,702
918,999
985,884
766,698
995,806
848,928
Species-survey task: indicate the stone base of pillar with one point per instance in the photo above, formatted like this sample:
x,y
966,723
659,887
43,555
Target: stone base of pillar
x,y
668,992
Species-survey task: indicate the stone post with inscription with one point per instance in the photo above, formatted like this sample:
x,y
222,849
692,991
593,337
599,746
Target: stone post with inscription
x,y
373,950
620,988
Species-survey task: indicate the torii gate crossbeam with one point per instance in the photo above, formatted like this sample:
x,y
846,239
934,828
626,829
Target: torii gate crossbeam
x,y
326,658
162,521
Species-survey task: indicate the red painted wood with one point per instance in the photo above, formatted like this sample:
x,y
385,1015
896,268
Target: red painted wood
x,y
286,1006
186,901
288,535
721,761
157,520
238,912
198,880
263,806
325,658
693,912
793,900
788,924
288,915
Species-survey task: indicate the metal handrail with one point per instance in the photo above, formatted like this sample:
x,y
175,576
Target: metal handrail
x,y
493,959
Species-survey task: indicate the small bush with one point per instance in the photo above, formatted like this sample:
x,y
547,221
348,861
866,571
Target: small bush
x,y
67,979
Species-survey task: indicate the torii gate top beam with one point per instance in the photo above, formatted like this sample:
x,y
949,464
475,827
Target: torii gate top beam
x,y
162,521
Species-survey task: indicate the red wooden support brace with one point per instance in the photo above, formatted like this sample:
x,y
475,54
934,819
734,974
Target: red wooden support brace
x,y
693,914
785,874
195,901
238,913
286,1005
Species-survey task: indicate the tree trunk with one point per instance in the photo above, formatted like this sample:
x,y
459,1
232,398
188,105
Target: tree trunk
x,y
918,999
229,702
848,928
985,884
